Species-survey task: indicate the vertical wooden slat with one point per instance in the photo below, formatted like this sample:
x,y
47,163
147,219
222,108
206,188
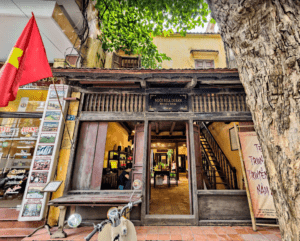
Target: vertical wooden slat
x,y
238,99
91,102
111,102
136,104
230,102
193,103
197,104
140,103
99,156
127,103
107,103
119,102
87,100
221,103
209,102
144,103
218,103
95,102
99,102
103,102
200,102
115,102
131,103
213,102
204,101
123,102
226,102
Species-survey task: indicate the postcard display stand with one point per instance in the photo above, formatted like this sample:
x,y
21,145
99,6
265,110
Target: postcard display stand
x,y
45,155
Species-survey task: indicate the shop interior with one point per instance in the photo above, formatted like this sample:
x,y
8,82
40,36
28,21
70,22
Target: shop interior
x,y
18,138
118,156
169,192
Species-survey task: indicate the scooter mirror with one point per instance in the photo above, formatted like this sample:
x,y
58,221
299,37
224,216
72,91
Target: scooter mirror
x,y
137,184
74,220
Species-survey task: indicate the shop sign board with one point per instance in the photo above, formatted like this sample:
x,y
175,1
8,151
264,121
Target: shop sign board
x,y
45,155
168,102
261,195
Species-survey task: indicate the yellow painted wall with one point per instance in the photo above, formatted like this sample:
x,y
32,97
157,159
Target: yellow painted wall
x,y
178,48
35,97
63,161
116,134
220,131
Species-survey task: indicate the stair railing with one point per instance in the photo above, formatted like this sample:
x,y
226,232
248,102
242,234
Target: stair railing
x,y
209,170
226,168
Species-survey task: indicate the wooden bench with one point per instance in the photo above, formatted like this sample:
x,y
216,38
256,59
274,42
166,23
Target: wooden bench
x,y
112,199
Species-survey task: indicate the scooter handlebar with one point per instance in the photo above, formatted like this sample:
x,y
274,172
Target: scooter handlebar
x,y
87,238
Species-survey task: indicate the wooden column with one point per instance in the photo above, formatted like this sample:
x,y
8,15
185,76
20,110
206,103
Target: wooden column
x,y
144,173
192,169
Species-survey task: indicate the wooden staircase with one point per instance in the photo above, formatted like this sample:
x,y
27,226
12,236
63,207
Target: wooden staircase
x,y
11,229
215,160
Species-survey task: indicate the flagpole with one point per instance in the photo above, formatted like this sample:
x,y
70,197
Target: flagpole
x,y
61,112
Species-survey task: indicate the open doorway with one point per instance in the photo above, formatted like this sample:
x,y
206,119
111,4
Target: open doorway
x,y
169,190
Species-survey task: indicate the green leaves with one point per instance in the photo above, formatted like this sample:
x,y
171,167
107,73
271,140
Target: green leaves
x,y
130,25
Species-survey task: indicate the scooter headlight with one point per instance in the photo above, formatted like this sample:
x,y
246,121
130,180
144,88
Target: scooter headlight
x,y
74,220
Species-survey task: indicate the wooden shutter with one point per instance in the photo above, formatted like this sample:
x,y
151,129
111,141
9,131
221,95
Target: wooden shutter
x,y
89,158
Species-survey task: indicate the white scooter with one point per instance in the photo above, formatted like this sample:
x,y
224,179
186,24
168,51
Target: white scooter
x,y
116,227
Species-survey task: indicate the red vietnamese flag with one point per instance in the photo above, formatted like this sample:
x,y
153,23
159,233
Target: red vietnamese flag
x,y
26,63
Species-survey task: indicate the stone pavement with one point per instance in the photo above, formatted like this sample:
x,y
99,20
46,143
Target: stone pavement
x,y
180,233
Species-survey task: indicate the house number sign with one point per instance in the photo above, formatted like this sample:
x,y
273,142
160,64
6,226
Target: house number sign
x,y
168,102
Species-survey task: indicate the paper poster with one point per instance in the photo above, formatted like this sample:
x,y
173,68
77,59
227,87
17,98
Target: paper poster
x,y
261,195
45,155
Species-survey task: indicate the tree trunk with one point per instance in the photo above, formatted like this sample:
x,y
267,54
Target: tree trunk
x,y
264,36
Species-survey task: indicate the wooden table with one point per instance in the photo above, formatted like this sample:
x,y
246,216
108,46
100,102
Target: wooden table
x,y
162,173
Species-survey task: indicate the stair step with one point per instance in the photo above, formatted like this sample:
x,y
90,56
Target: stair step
x,y
15,232
9,214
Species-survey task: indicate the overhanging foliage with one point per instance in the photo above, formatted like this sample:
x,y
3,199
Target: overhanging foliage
x,y
130,25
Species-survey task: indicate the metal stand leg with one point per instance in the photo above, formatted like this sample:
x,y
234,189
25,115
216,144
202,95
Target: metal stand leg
x,y
60,233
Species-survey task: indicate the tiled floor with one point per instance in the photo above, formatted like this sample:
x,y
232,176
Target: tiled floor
x,y
170,200
180,233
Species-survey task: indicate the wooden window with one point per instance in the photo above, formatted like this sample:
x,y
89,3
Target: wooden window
x,y
204,64
120,62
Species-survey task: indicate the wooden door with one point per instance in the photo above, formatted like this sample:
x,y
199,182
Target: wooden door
x,y
89,158
189,168
198,158
148,172
139,145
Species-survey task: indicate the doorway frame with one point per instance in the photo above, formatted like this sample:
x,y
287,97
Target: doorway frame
x,y
190,178
147,117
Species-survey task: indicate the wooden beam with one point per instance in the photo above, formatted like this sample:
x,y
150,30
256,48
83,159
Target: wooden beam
x,y
156,127
191,84
172,127
171,116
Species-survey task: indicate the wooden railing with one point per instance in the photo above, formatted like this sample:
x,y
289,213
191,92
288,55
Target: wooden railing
x,y
225,168
115,102
209,170
219,102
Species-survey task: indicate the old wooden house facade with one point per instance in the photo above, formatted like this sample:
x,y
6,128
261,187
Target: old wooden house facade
x,y
153,107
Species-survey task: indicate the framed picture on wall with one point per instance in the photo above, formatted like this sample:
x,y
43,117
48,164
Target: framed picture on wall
x,y
233,141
